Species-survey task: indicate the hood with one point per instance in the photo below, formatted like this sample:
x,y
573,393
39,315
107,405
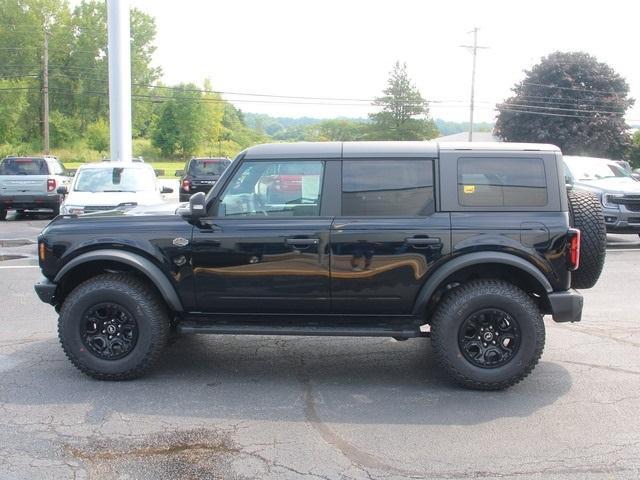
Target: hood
x,y
611,185
89,199
158,209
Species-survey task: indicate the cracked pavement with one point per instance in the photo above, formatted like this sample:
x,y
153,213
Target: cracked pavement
x,y
328,408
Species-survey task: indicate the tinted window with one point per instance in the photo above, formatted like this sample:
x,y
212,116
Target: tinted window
x,y
274,189
208,167
387,188
24,166
501,182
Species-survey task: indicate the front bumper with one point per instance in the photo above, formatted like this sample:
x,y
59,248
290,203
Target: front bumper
x,y
566,306
46,290
622,220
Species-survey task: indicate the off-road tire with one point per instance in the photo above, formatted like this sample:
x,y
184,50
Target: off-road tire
x,y
462,302
3,214
585,211
145,305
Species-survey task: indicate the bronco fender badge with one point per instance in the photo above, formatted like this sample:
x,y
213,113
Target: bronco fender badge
x,y
180,242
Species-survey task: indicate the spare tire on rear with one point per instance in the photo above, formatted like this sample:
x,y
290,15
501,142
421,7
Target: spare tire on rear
x,y
585,212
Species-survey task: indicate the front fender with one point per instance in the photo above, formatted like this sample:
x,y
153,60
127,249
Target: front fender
x,y
140,263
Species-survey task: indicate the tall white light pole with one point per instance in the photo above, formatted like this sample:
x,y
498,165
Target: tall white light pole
x,y
474,51
119,80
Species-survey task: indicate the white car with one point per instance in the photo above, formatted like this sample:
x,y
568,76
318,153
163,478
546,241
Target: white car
x,y
107,185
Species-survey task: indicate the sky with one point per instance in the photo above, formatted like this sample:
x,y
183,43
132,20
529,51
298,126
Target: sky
x,y
345,49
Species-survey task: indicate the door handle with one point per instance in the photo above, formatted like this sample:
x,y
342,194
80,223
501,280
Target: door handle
x,y
422,241
301,242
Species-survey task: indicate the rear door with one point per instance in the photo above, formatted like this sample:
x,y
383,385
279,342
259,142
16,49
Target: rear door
x,y
388,236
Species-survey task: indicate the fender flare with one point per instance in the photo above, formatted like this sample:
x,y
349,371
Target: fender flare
x,y
140,263
467,260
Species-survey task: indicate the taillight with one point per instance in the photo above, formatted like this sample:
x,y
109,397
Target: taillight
x,y
185,185
574,249
51,184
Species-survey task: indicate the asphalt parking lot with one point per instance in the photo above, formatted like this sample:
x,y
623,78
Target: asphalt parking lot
x,y
329,408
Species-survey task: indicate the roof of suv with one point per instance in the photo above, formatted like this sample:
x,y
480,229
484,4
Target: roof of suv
x,y
381,149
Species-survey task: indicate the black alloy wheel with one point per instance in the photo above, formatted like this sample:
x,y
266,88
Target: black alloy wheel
x,y
489,338
109,331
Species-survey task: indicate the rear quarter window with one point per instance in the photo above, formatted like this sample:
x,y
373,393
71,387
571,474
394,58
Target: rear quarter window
x,y
502,182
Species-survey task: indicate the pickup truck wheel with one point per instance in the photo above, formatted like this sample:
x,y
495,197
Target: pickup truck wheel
x,y
586,214
113,327
487,334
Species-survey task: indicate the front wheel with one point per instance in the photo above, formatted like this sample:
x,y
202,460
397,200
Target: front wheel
x,y
488,334
113,327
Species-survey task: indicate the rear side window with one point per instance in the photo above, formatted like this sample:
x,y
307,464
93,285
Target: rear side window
x,y
24,166
501,182
396,188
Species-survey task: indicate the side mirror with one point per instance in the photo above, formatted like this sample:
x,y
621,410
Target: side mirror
x,y
165,189
62,190
179,173
197,205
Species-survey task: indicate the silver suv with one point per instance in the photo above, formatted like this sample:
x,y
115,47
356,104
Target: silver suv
x,y
618,191
30,183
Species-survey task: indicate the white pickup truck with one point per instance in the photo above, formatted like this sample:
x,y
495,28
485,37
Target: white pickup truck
x,y
30,183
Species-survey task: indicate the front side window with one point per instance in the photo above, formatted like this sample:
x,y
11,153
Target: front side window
x,y
501,182
387,188
274,189
116,179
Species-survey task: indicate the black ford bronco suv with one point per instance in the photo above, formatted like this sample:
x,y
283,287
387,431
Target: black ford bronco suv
x,y
468,244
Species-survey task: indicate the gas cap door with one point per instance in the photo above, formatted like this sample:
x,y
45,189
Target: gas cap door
x,y
534,234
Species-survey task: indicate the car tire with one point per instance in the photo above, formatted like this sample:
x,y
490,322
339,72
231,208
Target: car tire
x,y
3,214
101,306
585,211
473,310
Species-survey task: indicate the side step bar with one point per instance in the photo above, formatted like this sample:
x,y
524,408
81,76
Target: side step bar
x,y
309,329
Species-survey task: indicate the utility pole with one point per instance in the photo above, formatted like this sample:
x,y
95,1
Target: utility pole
x,y
119,52
45,93
474,50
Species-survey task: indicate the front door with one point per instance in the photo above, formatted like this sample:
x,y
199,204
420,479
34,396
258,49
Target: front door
x,y
266,248
388,236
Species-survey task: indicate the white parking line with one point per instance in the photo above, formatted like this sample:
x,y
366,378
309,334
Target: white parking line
x,y
18,266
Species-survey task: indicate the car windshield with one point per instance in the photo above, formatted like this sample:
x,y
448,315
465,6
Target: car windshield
x,y
588,169
117,179
23,166
208,167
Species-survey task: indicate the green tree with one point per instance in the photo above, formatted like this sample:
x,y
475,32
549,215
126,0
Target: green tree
x,y
337,129
182,122
405,113
573,101
98,136
13,104
634,151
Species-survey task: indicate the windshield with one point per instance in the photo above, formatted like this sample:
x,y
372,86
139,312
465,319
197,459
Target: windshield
x,y
117,179
586,169
23,166
208,167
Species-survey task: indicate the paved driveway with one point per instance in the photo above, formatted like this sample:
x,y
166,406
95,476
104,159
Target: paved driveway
x,y
332,408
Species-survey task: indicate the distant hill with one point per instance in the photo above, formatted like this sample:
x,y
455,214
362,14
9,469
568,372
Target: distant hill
x,y
276,126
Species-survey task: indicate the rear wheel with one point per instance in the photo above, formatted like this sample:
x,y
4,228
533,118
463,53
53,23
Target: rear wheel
x,y
3,214
113,327
586,215
488,334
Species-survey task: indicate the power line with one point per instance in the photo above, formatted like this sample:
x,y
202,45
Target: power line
x,y
588,90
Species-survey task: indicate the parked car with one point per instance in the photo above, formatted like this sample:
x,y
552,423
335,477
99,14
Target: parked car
x,y
30,183
470,244
109,185
618,191
200,174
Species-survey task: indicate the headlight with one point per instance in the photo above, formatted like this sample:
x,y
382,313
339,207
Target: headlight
x,y
607,200
71,210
